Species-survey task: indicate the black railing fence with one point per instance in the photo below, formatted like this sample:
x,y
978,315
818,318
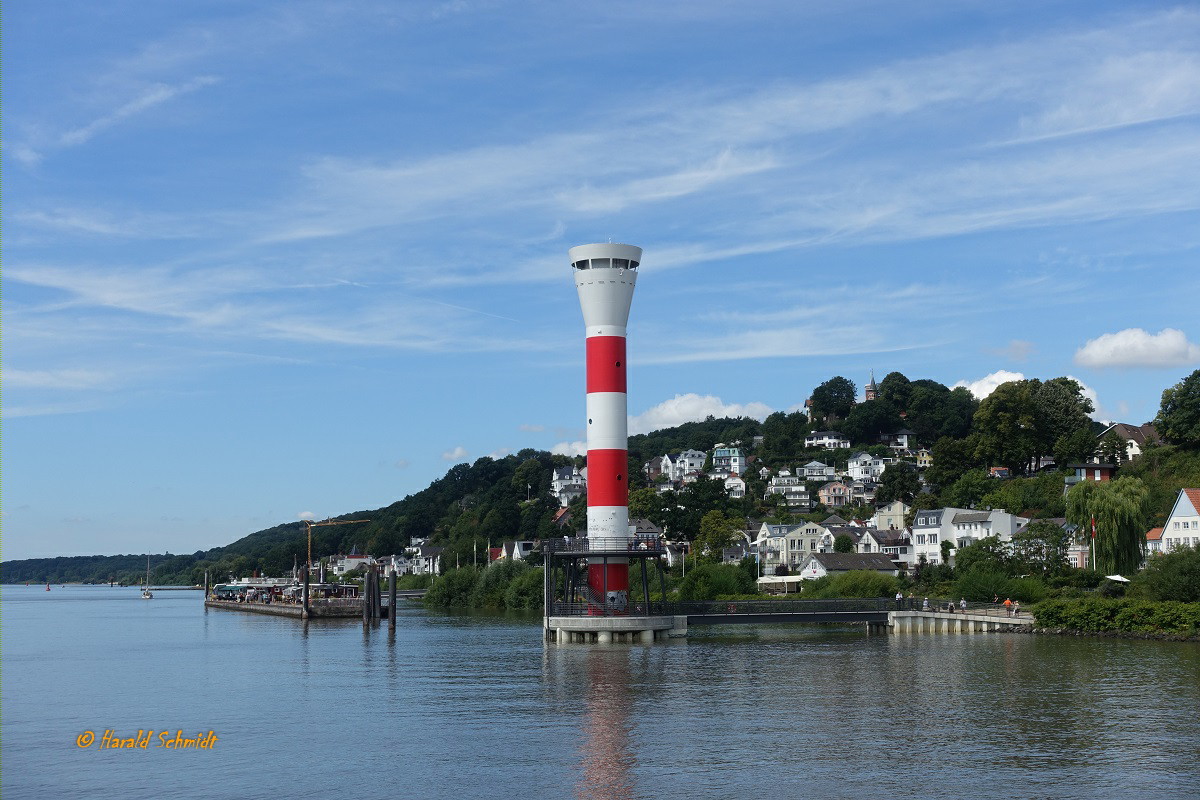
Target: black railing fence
x,y
581,544
799,607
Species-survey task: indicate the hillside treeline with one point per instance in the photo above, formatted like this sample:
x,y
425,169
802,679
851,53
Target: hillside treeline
x,y
495,500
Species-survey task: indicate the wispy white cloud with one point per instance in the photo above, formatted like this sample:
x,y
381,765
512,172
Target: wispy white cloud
x,y
576,448
693,407
151,97
459,453
1015,350
57,379
1136,347
987,384
531,428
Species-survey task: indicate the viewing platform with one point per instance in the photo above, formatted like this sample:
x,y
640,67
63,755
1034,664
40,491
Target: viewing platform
x,y
645,622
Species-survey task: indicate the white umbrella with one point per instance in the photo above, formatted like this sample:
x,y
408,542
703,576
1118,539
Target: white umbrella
x,y
1117,578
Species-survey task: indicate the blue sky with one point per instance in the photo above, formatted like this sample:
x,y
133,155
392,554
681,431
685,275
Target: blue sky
x,y
281,259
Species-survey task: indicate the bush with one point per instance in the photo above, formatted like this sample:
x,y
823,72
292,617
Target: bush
x,y
707,581
490,589
1027,590
1097,614
525,593
453,589
982,586
1170,576
985,585
414,581
856,583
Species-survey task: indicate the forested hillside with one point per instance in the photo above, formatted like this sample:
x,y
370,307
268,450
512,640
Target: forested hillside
x,y
492,501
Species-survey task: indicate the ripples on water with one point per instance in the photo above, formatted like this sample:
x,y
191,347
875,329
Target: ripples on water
x,y
462,706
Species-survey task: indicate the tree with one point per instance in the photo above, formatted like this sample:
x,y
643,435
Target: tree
x,y
983,555
1178,420
895,389
834,398
951,459
716,533
935,411
842,543
783,436
1074,447
1007,424
968,491
898,482
1120,509
867,420
1036,496
1062,409
1041,549
1112,448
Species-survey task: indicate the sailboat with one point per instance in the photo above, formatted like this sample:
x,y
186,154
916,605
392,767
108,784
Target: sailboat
x,y
146,593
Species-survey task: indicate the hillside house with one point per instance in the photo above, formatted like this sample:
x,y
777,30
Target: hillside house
x,y
865,467
730,459
830,440
817,471
834,494
1136,437
818,565
1182,528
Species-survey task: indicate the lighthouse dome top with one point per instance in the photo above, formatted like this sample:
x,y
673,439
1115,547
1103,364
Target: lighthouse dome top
x,y
605,256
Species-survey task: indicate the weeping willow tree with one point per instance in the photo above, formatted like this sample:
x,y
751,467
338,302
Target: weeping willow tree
x,y
1120,509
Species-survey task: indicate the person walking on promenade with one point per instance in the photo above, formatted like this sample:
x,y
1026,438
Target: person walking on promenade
x,y
1008,605
962,605
925,605
1017,608
899,600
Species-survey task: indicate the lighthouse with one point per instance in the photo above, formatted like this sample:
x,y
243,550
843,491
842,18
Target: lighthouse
x,y
605,275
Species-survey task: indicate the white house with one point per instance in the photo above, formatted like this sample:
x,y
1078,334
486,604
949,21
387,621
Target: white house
x,y
789,545
355,560
1136,437
900,440
818,565
729,459
1182,528
817,471
960,527
866,467
830,440
791,488
425,560
687,462
1153,542
567,483
735,486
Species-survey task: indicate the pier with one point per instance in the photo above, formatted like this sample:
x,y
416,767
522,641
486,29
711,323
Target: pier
x,y
589,622
331,608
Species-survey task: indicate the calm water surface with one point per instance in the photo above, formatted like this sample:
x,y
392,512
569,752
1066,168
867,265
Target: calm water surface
x,y
477,706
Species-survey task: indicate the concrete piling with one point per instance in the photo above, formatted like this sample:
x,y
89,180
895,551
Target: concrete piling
x,y
392,601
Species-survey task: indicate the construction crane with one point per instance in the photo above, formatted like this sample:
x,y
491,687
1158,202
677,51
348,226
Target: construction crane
x,y
310,525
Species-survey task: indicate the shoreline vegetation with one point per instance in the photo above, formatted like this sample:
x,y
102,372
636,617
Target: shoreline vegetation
x,y
965,444
1062,606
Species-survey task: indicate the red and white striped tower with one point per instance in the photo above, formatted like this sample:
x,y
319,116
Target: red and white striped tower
x,y
605,275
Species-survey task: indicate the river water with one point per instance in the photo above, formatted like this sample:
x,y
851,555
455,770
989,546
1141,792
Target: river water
x,y
465,706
